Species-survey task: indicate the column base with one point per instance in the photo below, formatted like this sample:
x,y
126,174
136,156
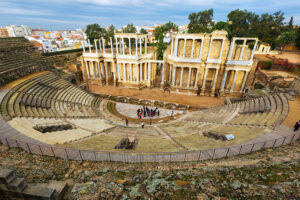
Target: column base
x,y
115,82
202,92
213,92
106,83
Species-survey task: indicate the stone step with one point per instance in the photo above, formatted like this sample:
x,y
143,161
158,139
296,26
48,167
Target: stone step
x,y
18,184
6,176
60,188
37,192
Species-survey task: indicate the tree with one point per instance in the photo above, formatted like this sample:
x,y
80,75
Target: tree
x,y
286,38
159,33
222,26
291,23
129,29
143,31
94,31
201,21
297,41
110,33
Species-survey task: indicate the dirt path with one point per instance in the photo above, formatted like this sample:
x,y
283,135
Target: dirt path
x,y
294,112
156,94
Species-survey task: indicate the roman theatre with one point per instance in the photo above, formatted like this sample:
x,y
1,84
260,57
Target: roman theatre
x,y
199,88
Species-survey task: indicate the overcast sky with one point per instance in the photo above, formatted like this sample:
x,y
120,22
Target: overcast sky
x,y
71,14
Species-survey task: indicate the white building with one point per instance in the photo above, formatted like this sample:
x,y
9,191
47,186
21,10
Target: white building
x,y
18,31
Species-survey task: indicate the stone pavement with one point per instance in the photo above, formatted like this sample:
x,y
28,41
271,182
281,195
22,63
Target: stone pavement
x,y
130,110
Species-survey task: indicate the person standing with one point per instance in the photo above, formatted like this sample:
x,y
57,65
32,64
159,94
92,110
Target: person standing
x,y
297,125
126,122
142,124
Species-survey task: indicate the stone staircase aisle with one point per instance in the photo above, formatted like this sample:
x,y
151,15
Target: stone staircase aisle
x,y
12,187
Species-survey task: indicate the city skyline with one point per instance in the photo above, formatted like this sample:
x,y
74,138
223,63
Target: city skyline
x,y
72,14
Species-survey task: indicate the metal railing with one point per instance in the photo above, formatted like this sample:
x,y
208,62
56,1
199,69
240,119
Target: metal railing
x,y
131,157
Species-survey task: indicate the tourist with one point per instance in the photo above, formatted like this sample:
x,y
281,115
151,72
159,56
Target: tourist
x,y
297,125
172,113
157,112
126,122
143,124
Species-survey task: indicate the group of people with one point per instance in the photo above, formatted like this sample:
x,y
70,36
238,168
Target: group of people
x,y
146,112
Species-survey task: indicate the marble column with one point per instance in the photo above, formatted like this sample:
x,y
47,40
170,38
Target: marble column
x,y
172,46
145,71
99,70
181,76
149,73
170,73
136,46
162,73
201,47
146,45
100,48
106,72
231,49
189,78
221,52
129,46
123,46
204,81
215,80
176,47
224,80
141,46
117,46
174,74
90,46
119,75
111,46
210,45
141,71
83,47
103,43
114,70
193,46
184,47
244,81
87,69
130,76
137,72
196,79
253,50
124,71
234,80
96,47
242,51
93,66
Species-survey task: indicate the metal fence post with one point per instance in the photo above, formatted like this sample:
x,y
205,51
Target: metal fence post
x,y
283,141
28,147
240,150
274,143
228,149
7,142
95,155
184,157
80,154
67,154
170,157
214,154
109,156
252,148
292,138
41,149
199,156
52,151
